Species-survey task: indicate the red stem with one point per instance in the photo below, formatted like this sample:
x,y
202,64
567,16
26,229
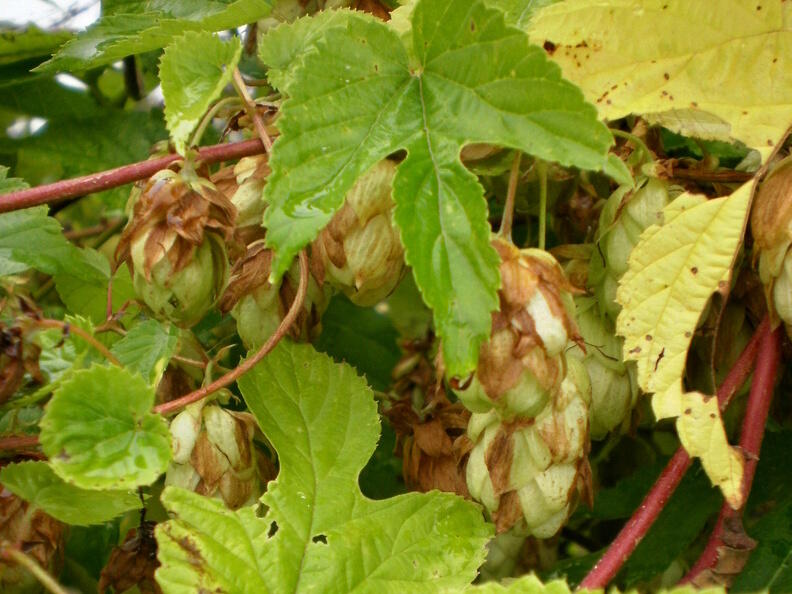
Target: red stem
x,y
655,501
18,442
751,437
112,178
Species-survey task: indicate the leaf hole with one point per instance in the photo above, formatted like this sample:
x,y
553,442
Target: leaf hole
x,y
320,538
273,529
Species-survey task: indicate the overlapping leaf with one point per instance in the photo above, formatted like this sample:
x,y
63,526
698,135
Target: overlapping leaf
x,y
147,348
143,25
674,270
463,76
194,70
99,433
38,484
319,532
703,67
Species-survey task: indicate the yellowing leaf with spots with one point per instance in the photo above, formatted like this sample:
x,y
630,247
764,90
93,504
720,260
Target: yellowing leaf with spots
x,y
720,68
674,270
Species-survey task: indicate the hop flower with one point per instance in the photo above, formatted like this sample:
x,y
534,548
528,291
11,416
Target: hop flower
x,y
614,389
243,184
360,247
259,307
39,535
175,245
430,430
771,226
522,366
527,471
621,223
214,455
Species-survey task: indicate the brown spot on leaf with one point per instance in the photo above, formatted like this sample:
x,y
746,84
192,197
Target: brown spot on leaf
x,y
694,270
648,337
666,76
549,47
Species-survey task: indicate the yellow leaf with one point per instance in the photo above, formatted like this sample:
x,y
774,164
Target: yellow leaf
x,y
674,270
701,431
713,63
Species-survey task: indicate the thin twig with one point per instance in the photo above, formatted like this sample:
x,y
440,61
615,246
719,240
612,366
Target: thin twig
x,y
655,501
86,336
541,169
508,208
751,437
45,579
250,107
75,234
113,178
232,376
209,116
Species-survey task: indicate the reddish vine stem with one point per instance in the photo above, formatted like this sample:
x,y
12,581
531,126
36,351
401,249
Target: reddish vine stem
x,y
655,501
112,178
750,441
86,336
18,442
235,374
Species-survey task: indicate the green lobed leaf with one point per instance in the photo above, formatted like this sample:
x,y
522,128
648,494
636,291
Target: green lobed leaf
x,y
23,49
10,184
143,25
99,433
46,98
194,70
89,298
147,348
38,484
31,239
319,533
463,76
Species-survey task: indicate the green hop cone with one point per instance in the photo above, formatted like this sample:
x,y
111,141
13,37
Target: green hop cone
x,y
360,247
614,389
259,307
522,365
243,184
771,226
527,472
174,245
214,455
625,216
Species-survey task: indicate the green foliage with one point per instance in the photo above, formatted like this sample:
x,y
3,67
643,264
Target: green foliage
x,y
146,349
365,93
194,70
10,184
37,483
318,531
100,434
140,26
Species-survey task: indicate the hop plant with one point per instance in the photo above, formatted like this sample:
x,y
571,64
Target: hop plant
x,y
530,403
243,184
37,534
174,244
259,307
214,455
360,247
614,389
625,215
771,226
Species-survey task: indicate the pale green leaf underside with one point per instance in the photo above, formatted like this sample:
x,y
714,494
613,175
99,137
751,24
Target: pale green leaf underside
x,y
194,70
36,483
321,418
99,433
146,349
31,239
361,95
148,25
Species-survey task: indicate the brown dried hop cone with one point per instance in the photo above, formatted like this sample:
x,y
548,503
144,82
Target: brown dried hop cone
x,y
37,534
771,226
214,455
243,184
259,307
522,365
360,247
17,358
174,244
430,430
528,471
133,563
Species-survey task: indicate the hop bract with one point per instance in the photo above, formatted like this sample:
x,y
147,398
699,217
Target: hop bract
x,y
360,247
771,226
175,245
243,184
214,455
259,307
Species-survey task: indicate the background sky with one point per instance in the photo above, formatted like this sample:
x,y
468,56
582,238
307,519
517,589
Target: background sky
x,y
70,14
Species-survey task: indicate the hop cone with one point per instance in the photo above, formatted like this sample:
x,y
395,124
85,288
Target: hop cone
x,y
360,247
259,307
771,226
174,244
214,455
243,184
